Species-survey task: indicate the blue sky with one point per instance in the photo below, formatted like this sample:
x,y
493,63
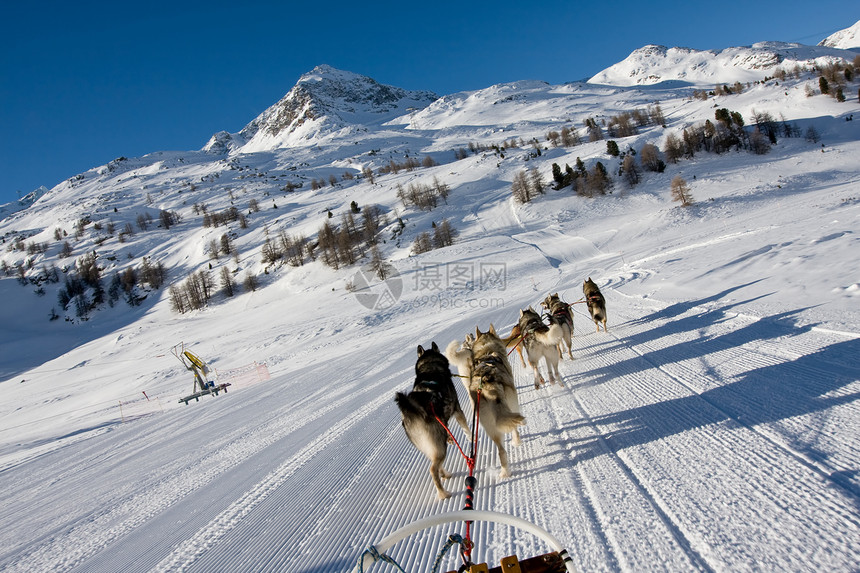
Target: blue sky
x,y
84,82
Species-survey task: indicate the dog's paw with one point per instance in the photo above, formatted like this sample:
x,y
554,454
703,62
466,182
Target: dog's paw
x,y
443,495
445,474
504,473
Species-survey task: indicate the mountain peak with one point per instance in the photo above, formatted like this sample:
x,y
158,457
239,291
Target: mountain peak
x,y
324,100
847,39
325,72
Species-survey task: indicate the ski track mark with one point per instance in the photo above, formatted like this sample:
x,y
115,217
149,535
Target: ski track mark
x,y
820,467
667,542
70,546
758,460
190,550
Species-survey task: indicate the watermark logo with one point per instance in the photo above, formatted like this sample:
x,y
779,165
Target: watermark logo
x,y
377,288
459,276
440,285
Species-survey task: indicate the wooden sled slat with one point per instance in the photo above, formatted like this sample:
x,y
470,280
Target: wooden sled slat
x,y
546,563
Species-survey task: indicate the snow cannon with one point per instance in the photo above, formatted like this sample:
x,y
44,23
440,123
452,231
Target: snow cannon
x,y
198,367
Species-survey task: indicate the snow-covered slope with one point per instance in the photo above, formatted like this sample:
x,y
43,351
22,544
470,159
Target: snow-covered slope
x,y
22,203
715,427
847,39
655,64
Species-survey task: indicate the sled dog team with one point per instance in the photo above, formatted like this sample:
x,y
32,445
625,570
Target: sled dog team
x,y
482,363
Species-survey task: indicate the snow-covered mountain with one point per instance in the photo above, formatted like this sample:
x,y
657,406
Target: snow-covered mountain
x,y
655,64
847,39
323,101
714,427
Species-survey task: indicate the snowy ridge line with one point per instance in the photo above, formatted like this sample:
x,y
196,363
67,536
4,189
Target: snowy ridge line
x,y
189,551
822,470
66,551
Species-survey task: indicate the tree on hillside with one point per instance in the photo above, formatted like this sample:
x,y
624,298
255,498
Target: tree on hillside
x,y
520,188
759,143
681,191
812,135
227,282
649,155
250,282
422,243
595,133
598,179
569,137
367,172
536,182
612,148
443,235
377,263
630,170
673,149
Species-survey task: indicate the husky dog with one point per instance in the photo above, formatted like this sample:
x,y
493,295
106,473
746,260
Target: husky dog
x,y
560,313
541,341
432,402
489,373
595,302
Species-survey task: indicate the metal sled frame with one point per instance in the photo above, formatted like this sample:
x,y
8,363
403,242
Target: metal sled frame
x,y
199,368
534,565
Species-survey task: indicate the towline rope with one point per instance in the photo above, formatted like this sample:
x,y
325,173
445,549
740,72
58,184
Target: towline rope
x,y
465,542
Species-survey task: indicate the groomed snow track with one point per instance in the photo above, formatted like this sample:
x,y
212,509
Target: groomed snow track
x,y
687,438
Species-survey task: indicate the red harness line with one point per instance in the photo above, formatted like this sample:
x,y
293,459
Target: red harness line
x,y
522,337
471,481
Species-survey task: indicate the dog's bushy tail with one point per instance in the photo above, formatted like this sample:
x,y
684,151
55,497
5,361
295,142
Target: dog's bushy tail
x,y
456,356
508,421
409,406
552,336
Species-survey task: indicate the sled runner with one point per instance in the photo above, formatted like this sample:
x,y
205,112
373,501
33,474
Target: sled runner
x,y
192,362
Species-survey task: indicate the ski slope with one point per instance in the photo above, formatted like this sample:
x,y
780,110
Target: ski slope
x,y
692,436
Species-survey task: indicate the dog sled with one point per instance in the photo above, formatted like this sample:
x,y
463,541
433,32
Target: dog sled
x,y
555,561
198,367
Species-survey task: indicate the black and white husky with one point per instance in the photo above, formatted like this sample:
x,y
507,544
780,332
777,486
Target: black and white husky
x,y
541,341
560,313
432,401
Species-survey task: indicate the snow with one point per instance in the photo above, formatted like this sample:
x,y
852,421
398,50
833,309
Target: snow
x,y
715,427
656,64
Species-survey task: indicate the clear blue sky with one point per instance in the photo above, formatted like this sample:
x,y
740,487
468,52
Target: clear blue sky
x,y
84,82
